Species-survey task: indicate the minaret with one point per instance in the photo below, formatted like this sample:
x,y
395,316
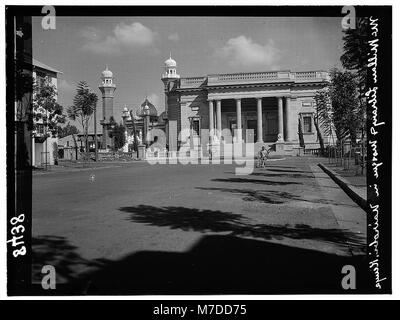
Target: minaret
x,y
170,79
107,88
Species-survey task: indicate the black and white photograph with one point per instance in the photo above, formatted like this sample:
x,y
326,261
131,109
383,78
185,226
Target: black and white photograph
x,y
206,150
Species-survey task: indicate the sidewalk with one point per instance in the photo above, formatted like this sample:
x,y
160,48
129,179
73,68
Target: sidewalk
x,y
80,166
350,180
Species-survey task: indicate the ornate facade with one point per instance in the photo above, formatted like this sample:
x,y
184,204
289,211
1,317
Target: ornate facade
x,y
264,107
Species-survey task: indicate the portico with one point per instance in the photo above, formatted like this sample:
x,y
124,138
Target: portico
x,y
267,118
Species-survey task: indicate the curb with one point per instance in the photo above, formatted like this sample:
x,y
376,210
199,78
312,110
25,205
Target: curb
x,y
349,190
71,169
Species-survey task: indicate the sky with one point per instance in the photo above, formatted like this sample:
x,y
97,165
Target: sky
x,y
135,48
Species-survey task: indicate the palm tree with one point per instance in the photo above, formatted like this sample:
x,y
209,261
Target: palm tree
x,y
82,109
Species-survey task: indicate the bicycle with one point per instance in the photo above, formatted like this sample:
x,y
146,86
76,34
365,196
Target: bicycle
x,y
261,163
262,160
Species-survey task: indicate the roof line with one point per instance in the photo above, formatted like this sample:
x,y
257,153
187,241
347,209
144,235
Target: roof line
x,y
41,65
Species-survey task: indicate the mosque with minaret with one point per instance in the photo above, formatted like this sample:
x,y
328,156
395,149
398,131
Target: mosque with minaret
x,y
144,119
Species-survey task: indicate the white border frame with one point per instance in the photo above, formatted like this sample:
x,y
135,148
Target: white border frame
x,y
395,151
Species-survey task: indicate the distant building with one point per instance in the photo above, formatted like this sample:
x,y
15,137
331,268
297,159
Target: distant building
x,y
145,119
71,146
68,147
272,104
44,148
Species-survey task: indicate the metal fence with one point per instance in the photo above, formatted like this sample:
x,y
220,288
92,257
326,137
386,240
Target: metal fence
x,y
348,156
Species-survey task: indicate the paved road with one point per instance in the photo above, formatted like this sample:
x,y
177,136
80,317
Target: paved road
x,y
140,228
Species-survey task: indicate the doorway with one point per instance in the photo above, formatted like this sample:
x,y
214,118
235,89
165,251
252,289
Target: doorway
x,y
251,125
271,124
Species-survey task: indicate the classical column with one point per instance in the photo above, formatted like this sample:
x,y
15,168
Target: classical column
x,y
280,119
211,117
288,136
219,124
259,120
239,119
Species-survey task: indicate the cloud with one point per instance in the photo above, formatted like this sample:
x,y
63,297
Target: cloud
x,y
173,37
64,87
243,51
131,36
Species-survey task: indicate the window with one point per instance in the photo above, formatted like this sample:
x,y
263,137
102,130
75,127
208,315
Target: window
x,y
41,81
233,126
39,129
306,104
307,124
196,127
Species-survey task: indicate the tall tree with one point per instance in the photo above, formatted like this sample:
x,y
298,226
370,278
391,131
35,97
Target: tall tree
x,y
345,104
324,114
356,48
84,103
67,130
118,135
46,110
355,58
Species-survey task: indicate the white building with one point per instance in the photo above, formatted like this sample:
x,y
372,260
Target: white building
x,y
43,149
264,107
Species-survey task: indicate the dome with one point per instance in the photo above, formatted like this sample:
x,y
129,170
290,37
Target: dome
x,y
147,105
162,117
170,63
107,73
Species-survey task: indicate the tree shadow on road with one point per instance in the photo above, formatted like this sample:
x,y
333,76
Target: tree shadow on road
x,y
275,197
216,264
190,219
219,264
256,181
63,256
